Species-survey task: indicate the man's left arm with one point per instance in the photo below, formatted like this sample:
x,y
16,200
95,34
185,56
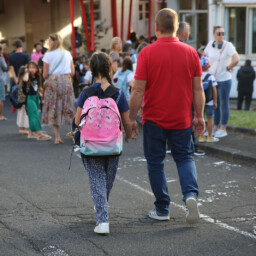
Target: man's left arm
x,y
199,102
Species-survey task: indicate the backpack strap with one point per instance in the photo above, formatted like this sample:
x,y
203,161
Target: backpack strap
x,y
90,91
206,77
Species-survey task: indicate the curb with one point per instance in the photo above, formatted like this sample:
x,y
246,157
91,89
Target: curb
x,y
228,154
237,129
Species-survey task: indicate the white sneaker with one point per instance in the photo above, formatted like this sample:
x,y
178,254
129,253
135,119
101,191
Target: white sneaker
x,y
192,214
102,228
220,133
154,215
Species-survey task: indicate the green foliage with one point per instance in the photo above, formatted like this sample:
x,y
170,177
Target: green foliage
x,y
243,118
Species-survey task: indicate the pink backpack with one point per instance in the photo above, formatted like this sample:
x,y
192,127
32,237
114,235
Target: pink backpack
x,y
101,128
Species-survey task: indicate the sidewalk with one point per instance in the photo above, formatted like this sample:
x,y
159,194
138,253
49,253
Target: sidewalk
x,y
239,146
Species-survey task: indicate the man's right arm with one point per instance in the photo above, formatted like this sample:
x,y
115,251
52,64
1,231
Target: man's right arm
x,y
199,102
135,102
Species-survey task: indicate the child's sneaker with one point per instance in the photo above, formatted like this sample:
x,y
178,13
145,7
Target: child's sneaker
x,y
201,139
102,228
212,139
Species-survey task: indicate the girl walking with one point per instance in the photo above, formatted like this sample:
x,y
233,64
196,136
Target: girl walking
x,y
102,170
32,88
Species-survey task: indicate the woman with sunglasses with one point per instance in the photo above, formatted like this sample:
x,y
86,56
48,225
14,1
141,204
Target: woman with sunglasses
x,y
223,57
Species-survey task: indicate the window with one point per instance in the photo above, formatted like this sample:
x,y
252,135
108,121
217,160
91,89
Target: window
x,y
201,5
237,28
96,11
143,9
185,4
161,4
252,36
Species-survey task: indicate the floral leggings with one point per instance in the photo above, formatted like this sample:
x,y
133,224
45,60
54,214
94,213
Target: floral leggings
x,y
102,173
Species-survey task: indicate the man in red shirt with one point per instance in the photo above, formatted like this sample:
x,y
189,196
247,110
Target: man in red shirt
x,y
168,80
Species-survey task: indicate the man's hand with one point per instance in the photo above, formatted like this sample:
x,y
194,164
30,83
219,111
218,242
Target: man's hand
x,y
198,126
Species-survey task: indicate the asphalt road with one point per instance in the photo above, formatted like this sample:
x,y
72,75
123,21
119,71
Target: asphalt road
x,y
47,210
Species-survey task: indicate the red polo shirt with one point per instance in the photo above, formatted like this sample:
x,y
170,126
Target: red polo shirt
x,y
168,66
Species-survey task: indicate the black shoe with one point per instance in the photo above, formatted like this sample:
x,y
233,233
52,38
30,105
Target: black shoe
x,y
199,152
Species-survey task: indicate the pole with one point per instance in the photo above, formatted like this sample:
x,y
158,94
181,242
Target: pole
x,y
163,4
73,42
149,21
92,25
85,26
114,18
129,22
122,21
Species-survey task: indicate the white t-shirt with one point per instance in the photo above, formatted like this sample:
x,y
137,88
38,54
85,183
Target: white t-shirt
x,y
53,57
88,76
214,83
220,59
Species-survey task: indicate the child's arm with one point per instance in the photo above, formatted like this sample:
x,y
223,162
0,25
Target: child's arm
x,y
78,115
215,94
127,126
26,76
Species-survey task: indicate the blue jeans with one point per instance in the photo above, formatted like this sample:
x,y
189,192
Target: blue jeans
x,y
182,147
222,111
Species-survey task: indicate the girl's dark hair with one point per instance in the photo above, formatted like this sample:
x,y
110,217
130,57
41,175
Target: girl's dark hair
x,y
37,75
216,27
100,64
127,64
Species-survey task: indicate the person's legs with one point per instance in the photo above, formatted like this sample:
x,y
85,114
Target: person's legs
x,y
240,100
95,168
248,99
182,151
33,114
225,88
217,111
111,169
2,98
154,142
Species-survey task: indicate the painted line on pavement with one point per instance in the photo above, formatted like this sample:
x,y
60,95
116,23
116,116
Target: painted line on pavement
x,y
203,216
53,251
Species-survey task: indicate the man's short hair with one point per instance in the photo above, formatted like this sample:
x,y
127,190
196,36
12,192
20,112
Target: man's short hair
x,y
248,62
182,27
17,44
166,20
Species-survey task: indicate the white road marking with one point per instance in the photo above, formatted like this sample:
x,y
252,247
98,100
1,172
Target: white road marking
x,y
203,216
53,251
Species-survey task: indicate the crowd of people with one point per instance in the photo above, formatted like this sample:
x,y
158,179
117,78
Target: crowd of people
x,y
172,97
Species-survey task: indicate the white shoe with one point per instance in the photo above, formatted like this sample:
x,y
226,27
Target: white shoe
x,y
102,228
220,133
154,215
192,214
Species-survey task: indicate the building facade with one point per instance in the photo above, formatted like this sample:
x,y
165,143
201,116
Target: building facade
x,y
238,17
32,20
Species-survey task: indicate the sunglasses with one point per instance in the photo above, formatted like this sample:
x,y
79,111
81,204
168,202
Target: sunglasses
x,y
220,33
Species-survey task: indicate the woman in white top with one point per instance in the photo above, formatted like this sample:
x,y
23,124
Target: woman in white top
x,y
223,57
59,100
